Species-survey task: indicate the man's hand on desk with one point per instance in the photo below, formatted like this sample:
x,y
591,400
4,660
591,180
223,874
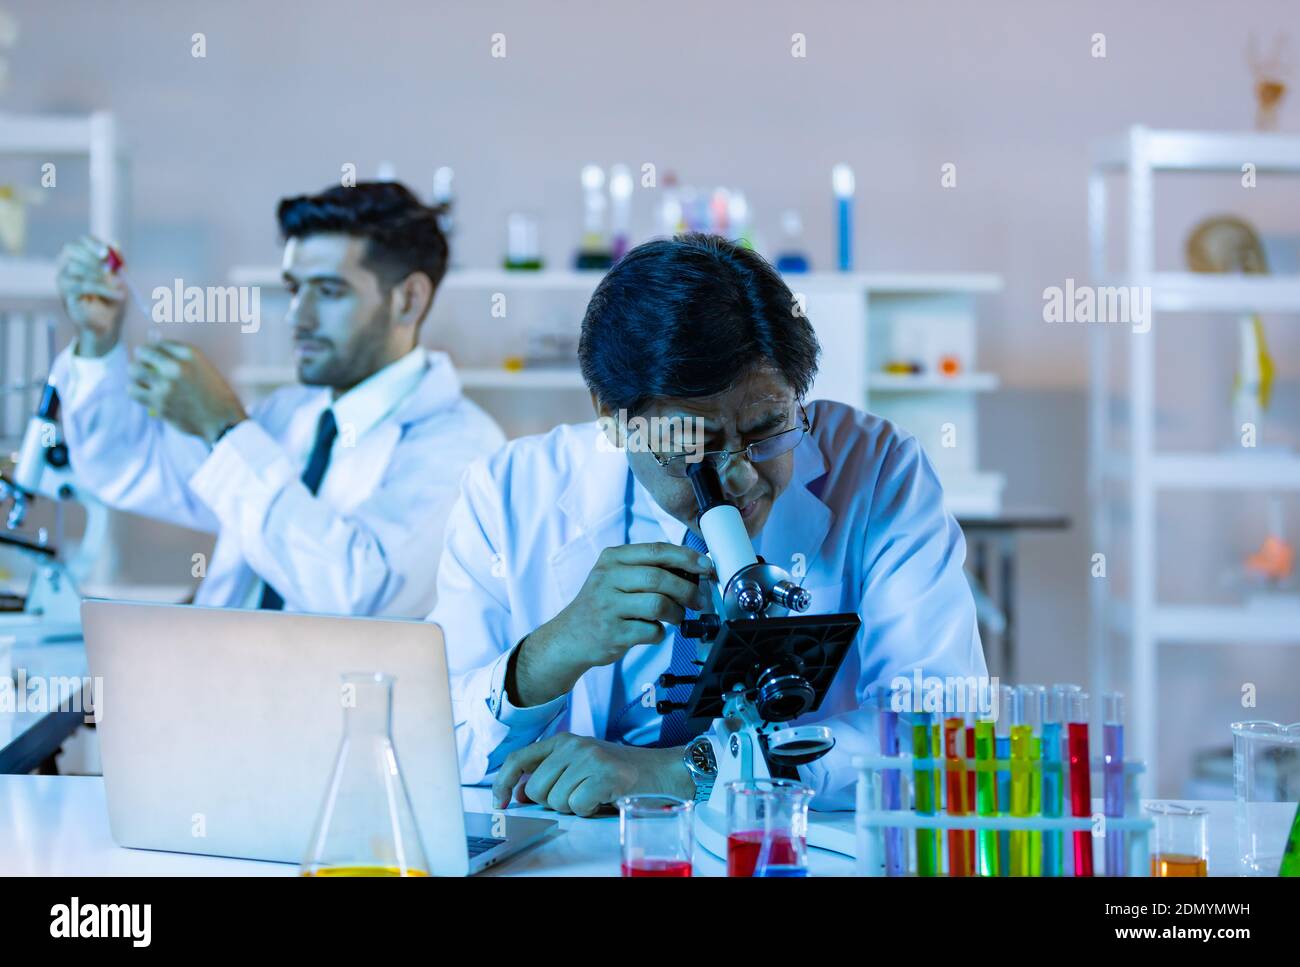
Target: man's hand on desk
x,y
178,383
576,774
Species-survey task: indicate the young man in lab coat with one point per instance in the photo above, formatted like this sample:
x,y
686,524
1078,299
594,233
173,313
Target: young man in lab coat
x,y
557,590
329,496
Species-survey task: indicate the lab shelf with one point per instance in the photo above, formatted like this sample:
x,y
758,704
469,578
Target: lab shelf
x,y
487,378
1192,292
885,283
1204,151
1245,470
1250,624
851,312
26,278
526,379
1240,624
927,383
1126,522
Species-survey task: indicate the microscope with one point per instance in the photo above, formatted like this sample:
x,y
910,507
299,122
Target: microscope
x,y
764,663
52,607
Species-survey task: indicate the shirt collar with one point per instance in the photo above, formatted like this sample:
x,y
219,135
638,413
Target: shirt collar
x,y
643,505
376,396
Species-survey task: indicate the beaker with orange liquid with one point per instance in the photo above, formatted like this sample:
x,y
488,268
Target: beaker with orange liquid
x,y
1179,846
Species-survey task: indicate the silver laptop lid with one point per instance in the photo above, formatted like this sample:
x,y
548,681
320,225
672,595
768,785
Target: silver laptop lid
x,y
219,728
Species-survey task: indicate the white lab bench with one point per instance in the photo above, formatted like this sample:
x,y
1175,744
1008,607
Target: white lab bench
x,y
58,825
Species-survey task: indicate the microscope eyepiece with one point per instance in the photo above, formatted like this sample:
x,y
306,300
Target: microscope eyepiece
x,y
706,484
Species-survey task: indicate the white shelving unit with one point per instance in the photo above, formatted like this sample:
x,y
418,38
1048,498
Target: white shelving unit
x,y
27,284
1142,472
28,294
855,313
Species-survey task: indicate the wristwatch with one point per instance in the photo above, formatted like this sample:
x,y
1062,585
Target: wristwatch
x,y
702,765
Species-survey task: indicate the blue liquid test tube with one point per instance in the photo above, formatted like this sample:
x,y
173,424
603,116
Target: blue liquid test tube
x,y
1054,780
891,785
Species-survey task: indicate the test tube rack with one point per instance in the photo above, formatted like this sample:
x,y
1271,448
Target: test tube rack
x,y
873,821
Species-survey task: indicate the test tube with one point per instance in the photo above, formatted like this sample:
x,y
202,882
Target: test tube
x,y
1034,700
927,840
969,747
986,796
1113,778
1002,747
891,785
1021,733
960,860
1053,779
1080,778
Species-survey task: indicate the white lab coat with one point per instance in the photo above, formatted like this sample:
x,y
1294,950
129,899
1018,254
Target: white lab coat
x,y
863,507
369,541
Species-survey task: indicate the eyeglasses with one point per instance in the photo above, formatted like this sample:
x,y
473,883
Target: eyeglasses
x,y
768,448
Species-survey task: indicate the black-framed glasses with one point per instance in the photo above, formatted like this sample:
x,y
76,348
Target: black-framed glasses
x,y
768,448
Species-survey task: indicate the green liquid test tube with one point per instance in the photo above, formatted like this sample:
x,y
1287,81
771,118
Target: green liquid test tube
x,y
927,840
986,797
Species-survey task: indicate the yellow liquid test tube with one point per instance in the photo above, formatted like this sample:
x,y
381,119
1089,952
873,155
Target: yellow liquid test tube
x,y
1021,780
1034,704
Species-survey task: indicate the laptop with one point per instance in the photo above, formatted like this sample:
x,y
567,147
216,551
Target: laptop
x,y
219,729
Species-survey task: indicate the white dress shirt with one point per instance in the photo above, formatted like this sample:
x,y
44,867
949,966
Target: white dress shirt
x,y
863,519
366,543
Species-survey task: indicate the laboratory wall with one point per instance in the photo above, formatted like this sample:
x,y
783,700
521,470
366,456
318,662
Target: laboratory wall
x,y
1008,91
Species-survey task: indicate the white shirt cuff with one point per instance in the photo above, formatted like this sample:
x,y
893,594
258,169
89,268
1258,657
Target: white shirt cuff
x,y
75,376
521,721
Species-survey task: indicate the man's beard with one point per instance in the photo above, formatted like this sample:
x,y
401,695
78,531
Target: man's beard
x,y
341,369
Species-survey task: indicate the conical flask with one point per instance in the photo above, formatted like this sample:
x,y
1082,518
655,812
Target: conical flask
x,y
366,826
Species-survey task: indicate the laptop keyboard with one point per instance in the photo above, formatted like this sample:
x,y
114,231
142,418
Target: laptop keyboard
x,y
481,844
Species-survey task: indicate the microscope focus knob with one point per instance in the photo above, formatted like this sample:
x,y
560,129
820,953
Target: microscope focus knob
x,y
749,597
705,627
790,595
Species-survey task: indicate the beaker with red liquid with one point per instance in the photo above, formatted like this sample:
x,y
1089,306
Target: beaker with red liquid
x,y
767,827
657,835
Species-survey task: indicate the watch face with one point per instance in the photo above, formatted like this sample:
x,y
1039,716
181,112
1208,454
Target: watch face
x,y
702,756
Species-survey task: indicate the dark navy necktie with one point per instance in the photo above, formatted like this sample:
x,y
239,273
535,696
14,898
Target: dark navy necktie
x,y
326,430
674,730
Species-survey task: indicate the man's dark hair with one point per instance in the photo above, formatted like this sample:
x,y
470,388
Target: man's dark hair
x,y
688,317
403,234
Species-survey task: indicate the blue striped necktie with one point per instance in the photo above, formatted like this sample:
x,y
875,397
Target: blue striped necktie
x,y
675,731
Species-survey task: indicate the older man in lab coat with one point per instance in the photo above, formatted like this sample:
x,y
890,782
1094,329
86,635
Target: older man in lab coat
x,y
329,496
568,555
